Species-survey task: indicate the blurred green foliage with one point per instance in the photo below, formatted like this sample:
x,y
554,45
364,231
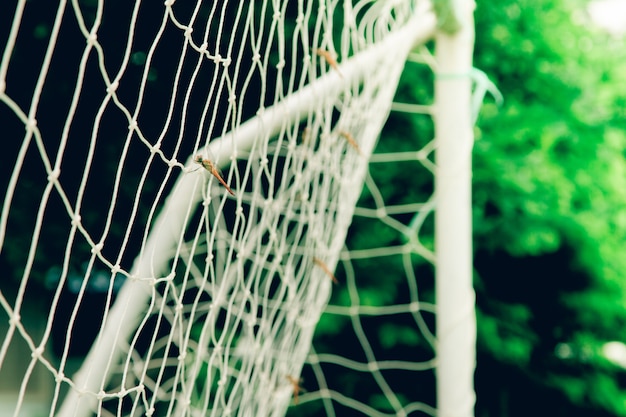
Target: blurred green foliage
x,y
549,211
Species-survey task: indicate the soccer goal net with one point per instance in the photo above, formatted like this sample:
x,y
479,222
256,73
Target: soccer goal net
x,y
201,216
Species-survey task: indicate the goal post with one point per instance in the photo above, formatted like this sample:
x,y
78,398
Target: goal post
x,y
232,271
456,322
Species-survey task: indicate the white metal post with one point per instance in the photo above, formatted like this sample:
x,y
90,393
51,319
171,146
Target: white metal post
x,y
456,320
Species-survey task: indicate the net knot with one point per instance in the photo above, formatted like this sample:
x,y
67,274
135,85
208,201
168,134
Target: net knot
x,y
372,366
155,148
54,175
31,125
92,38
169,3
113,87
37,353
97,248
76,219
15,319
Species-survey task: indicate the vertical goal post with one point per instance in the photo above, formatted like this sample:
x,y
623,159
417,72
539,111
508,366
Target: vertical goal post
x,y
456,321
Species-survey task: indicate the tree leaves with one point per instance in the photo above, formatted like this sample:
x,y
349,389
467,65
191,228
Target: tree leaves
x,y
549,194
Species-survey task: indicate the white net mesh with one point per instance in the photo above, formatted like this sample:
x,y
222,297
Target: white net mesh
x,y
200,295
375,350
